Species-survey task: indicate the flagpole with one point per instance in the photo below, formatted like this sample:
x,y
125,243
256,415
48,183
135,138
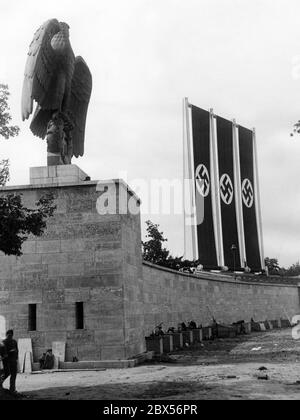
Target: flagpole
x,y
257,200
184,176
216,190
238,194
191,178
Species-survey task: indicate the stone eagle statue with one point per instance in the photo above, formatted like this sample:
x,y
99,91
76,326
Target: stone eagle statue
x,y
61,86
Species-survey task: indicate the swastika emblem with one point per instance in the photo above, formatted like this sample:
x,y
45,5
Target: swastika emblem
x,y
226,189
202,180
247,193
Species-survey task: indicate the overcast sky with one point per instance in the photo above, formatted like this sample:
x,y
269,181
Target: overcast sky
x,y
240,57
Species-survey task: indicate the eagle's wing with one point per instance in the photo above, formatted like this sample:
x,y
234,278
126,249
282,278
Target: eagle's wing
x,y
40,122
40,66
80,96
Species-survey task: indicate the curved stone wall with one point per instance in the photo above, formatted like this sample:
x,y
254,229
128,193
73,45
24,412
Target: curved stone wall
x,y
94,260
172,297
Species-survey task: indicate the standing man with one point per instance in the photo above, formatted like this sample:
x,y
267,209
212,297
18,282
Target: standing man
x,y
3,355
10,362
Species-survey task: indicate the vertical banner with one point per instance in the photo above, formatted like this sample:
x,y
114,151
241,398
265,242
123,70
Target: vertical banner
x,y
228,194
203,174
249,201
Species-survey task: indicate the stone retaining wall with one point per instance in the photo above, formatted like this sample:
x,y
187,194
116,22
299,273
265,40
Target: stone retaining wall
x,y
172,297
96,259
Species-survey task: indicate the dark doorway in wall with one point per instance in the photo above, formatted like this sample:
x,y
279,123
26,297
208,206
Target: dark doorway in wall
x,y
32,317
79,314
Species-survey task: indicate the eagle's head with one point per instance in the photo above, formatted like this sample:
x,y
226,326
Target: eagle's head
x,y
64,27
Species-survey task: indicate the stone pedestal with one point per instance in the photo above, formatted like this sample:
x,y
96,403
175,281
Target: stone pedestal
x,y
90,253
45,175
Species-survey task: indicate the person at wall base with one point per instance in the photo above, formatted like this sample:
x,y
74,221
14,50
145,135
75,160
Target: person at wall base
x,y
3,355
10,362
47,360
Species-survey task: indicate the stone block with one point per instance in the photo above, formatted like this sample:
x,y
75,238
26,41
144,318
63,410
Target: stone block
x,y
109,256
53,296
109,337
51,283
80,204
77,245
28,364
29,247
4,298
67,179
156,344
61,206
52,336
100,364
38,338
77,295
25,346
285,323
53,320
19,271
89,352
178,340
186,337
56,174
46,247
29,259
37,354
78,337
70,269
59,350
247,326
5,271
43,181
26,297
84,257
262,326
92,323
110,302
112,322
94,217
71,170
113,352
54,258
71,352
167,343
95,281
38,172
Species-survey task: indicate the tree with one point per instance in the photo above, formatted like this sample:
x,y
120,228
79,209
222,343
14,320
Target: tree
x,y
293,270
6,130
4,172
272,265
153,250
16,220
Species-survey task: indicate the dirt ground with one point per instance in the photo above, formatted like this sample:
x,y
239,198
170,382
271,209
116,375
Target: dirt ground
x,y
220,370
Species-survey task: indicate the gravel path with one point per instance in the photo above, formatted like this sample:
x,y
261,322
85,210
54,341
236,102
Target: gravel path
x,y
223,369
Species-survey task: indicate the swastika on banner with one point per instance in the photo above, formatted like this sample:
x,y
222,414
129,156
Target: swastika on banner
x,y
226,189
202,180
247,193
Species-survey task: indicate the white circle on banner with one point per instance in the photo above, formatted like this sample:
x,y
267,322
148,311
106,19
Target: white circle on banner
x,y
247,193
202,180
226,189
